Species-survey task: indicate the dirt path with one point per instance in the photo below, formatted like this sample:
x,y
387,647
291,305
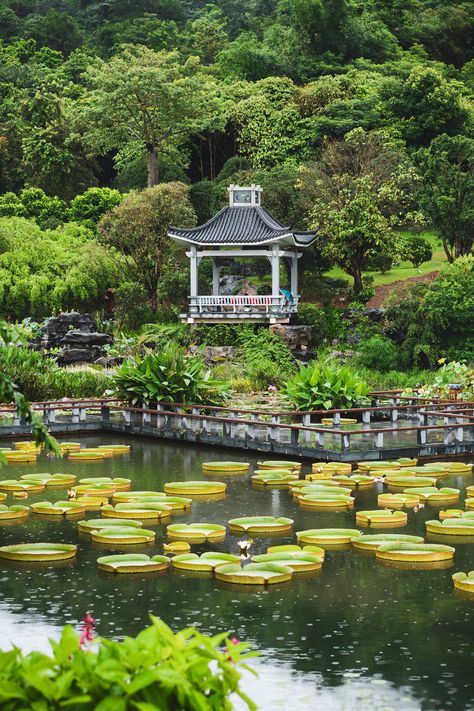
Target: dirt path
x,y
381,292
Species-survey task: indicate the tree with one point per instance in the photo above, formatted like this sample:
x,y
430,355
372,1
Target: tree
x,y
357,194
143,102
89,207
138,230
447,198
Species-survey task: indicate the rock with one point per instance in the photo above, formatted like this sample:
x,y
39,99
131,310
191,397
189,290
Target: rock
x,y
230,284
109,361
297,338
213,355
77,335
87,339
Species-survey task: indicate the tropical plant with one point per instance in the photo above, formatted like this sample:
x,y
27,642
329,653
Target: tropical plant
x,y
320,386
266,359
156,670
168,375
450,373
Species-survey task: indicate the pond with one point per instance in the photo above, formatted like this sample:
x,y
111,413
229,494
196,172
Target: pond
x,y
358,634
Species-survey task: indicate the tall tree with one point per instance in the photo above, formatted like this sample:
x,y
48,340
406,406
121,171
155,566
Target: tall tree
x,y
447,170
143,102
357,193
137,230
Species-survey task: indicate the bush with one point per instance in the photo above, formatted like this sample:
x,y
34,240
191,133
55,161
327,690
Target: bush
x,y
319,386
40,378
327,324
266,360
378,353
89,207
155,670
168,375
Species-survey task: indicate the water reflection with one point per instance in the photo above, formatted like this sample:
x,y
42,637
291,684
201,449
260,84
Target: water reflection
x,y
358,635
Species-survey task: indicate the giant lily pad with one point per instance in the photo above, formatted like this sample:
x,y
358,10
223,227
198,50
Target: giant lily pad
x,y
261,525
22,485
59,508
133,563
196,532
458,467
381,518
93,524
292,548
95,490
38,551
117,484
452,527
50,480
274,479
298,561
356,480
406,482
254,573
175,503
325,500
138,509
22,456
277,464
378,466
204,563
464,582
433,495
116,448
327,536
123,535
85,456
398,501
195,488
11,512
372,542
414,552
225,468
330,467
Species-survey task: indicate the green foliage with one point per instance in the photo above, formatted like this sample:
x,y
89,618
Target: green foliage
x,y
320,386
168,375
327,324
89,207
40,378
447,169
45,271
10,393
137,230
377,353
266,360
155,670
36,205
452,372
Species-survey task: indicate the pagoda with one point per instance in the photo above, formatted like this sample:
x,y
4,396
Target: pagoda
x,y
243,229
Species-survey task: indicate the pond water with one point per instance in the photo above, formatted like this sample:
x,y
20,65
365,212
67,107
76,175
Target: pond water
x,y
357,635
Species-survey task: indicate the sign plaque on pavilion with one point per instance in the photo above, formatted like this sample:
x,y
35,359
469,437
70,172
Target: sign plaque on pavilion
x,y
244,229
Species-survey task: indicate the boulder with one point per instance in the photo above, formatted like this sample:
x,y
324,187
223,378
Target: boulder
x,y
297,338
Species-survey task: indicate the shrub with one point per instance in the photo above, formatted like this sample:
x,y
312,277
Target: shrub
x,y
319,386
40,378
378,353
326,323
168,375
266,360
158,335
89,207
155,670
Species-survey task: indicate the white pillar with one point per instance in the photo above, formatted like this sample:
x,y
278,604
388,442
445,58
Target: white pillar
x,y
193,271
215,277
275,270
294,276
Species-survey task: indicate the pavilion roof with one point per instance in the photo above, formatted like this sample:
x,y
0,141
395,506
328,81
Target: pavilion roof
x,y
249,225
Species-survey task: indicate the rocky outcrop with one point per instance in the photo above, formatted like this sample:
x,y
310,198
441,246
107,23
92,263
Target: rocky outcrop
x,y
75,334
297,338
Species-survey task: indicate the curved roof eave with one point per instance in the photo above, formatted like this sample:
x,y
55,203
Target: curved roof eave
x,y
227,245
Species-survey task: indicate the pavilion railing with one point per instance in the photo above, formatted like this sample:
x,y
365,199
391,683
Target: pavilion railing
x,y
242,304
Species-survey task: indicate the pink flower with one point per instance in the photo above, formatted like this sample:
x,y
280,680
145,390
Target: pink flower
x,y
87,630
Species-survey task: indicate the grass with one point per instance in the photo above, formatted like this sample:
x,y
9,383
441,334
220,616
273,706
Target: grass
x,y
404,270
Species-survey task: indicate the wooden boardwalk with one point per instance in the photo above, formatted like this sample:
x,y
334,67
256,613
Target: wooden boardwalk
x,y
393,426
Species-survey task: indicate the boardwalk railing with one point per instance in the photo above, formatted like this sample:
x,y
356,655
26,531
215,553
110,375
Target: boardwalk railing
x,y
401,424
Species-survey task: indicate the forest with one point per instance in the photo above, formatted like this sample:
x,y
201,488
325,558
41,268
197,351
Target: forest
x,y
120,118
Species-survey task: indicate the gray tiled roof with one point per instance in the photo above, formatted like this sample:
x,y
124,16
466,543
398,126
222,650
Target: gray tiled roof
x,y
241,225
